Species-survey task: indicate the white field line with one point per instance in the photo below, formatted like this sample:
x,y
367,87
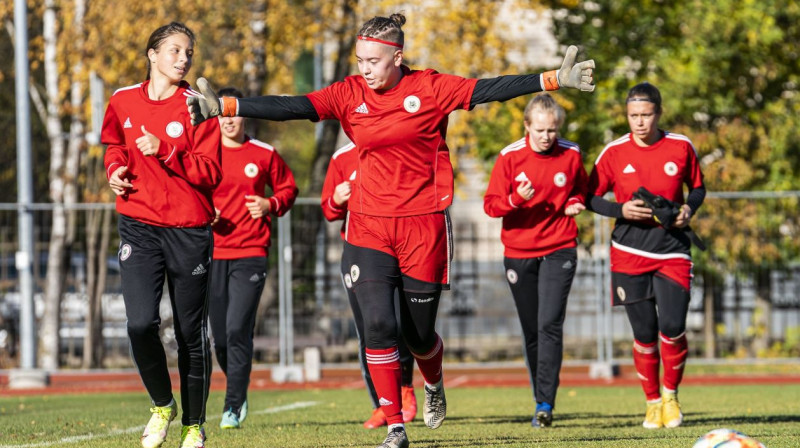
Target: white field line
x,y
135,429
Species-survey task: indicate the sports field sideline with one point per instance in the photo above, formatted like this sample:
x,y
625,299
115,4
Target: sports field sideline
x,y
487,407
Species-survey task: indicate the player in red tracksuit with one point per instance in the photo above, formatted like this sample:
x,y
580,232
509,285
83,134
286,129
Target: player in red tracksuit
x,y
398,229
163,171
651,265
339,183
241,239
537,186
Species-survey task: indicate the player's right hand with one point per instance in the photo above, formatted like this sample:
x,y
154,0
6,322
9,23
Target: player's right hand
x,y
525,189
118,183
205,105
342,192
636,210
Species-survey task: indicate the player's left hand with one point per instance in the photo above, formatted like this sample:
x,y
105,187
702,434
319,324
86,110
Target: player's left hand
x,y
574,209
576,76
258,206
683,218
148,143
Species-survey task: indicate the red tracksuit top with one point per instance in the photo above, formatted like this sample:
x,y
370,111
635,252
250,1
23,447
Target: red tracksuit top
x,y
342,167
403,160
536,227
663,168
172,188
248,169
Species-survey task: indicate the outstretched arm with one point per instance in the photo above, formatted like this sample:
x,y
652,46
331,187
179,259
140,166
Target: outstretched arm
x,y
271,107
572,75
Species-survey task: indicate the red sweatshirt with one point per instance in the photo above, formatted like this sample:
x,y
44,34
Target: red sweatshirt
x,y
172,188
342,167
248,170
536,227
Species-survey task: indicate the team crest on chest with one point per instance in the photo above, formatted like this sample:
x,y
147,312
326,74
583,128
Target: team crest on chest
x,y
251,170
411,104
560,179
175,129
671,168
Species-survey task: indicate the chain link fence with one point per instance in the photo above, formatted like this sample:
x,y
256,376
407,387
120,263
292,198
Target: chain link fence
x,y
744,296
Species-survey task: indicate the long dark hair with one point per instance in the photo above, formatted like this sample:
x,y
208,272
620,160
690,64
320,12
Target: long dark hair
x,y
161,34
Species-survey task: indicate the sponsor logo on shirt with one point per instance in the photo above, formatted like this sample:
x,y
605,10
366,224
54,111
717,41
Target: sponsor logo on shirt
x,y
362,109
560,179
124,252
629,169
174,129
251,170
512,276
671,168
127,123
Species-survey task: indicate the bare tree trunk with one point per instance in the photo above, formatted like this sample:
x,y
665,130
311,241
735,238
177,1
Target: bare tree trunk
x,y
64,165
256,68
310,218
709,323
762,312
49,337
99,221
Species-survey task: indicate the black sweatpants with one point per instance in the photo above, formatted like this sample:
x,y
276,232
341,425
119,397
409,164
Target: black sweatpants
x,y
406,359
149,254
235,291
540,287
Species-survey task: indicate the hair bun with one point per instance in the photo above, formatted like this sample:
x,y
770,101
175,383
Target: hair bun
x,y
398,18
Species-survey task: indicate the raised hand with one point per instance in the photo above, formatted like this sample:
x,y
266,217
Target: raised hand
x,y
576,76
148,143
205,106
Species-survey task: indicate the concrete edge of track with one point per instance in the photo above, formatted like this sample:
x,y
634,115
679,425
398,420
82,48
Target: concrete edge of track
x,y
574,374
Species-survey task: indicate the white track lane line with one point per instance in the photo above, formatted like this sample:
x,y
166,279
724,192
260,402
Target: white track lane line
x,y
135,429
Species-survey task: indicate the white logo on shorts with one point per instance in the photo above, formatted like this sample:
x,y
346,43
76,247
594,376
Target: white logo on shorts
x,y
355,271
621,293
348,281
174,129
411,104
124,252
512,276
251,170
560,179
671,168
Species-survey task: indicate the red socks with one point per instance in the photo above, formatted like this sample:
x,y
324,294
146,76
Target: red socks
x,y
673,356
645,359
384,368
430,364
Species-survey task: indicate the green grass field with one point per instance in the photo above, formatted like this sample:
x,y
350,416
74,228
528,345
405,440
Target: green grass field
x,y
477,417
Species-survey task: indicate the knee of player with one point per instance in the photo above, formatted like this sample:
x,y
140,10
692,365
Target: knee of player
x,y
138,329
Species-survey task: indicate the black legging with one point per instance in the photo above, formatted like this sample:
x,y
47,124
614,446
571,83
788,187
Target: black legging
x,y
667,313
380,276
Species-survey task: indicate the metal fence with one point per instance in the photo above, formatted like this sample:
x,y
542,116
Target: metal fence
x,y
304,303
